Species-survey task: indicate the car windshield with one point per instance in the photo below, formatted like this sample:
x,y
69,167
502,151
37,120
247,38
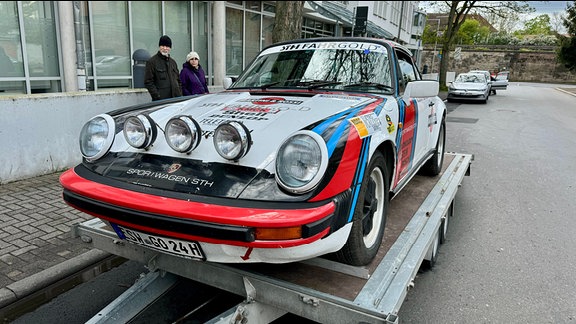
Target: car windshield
x,y
350,66
470,78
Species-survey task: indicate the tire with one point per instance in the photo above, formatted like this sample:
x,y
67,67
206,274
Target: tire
x,y
445,222
433,166
369,217
432,254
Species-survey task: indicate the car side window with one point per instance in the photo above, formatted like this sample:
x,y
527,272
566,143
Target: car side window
x,y
408,71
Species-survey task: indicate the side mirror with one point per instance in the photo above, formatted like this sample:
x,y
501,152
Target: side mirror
x,y
421,88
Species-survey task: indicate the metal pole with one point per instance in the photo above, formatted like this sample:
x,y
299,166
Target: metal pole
x,y
435,44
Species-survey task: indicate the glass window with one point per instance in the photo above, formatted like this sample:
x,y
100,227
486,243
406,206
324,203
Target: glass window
x,y
253,5
269,6
41,45
200,33
234,41
267,29
146,25
252,35
178,27
111,53
11,63
350,69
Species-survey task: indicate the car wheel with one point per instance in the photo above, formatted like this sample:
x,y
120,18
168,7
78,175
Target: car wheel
x,y
433,166
369,217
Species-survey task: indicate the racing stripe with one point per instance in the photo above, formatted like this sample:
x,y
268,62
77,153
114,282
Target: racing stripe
x,y
362,164
405,138
349,168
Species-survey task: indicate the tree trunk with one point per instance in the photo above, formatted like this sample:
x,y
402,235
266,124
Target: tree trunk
x,y
288,21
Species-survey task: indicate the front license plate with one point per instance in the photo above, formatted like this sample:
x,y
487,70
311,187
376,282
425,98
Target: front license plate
x,y
186,249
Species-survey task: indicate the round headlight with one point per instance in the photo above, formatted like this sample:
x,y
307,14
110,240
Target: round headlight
x,y
301,162
96,137
232,140
182,134
139,131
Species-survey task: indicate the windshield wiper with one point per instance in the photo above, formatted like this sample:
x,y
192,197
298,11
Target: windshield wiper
x,y
268,85
378,86
320,84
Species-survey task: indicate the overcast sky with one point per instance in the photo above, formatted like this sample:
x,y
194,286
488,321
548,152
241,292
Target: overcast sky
x,y
548,7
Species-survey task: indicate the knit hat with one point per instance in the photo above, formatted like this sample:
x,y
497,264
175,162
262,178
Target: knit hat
x,y
192,55
165,41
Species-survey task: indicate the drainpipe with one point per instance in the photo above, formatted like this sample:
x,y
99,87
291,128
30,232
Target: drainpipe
x,y
80,61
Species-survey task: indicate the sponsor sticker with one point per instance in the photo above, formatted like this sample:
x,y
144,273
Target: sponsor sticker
x,y
366,124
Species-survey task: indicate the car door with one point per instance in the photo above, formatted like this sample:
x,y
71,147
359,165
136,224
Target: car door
x,y
501,81
414,139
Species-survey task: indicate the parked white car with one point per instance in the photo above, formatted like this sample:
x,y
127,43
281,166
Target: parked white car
x,y
488,79
469,86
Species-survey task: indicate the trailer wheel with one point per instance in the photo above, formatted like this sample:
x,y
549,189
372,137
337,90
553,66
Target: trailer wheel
x,y
432,254
433,166
445,221
369,217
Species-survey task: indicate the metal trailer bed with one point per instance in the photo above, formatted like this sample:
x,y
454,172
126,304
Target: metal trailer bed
x,y
319,289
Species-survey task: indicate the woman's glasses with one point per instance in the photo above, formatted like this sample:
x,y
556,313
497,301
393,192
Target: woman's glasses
x,y
193,59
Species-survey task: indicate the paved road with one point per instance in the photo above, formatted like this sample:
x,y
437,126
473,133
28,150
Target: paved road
x,y
511,251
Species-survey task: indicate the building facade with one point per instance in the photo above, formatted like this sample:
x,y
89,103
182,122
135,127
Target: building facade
x,y
65,46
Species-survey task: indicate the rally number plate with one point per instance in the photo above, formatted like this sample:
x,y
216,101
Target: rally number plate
x,y
186,249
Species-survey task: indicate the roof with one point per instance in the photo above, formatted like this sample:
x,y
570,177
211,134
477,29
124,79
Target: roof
x,y
346,17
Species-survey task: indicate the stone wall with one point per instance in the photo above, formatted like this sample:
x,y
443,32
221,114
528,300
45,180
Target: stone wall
x,y
524,66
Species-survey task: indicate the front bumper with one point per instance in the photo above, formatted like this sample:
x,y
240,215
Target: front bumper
x,y
226,233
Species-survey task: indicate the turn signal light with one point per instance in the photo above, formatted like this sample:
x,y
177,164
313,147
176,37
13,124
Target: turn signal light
x,y
284,233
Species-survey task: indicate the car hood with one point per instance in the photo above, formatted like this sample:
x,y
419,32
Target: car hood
x,y
269,118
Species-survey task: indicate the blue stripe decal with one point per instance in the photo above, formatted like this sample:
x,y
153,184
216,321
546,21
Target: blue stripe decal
x,y
415,132
362,164
331,143
401,111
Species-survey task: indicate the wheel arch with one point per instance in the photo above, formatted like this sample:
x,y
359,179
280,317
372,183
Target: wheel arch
x,y
388,150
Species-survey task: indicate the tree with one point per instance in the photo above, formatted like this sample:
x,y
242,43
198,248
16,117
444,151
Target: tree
x,y
457,14
536,26
288,21
471,33
567,50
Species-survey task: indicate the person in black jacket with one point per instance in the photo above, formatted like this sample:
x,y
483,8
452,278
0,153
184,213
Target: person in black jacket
x,y
162,77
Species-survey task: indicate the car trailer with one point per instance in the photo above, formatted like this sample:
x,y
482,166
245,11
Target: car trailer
x,y
319,289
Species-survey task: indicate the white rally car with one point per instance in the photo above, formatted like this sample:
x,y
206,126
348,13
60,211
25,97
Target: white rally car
x,y
297,158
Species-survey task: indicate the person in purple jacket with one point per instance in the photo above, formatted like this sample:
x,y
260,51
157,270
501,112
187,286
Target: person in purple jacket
x,y
192,76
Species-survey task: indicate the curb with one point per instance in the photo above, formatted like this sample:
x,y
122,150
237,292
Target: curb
x,y
30,285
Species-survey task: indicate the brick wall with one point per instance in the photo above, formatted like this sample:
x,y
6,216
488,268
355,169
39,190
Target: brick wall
x,y
523,66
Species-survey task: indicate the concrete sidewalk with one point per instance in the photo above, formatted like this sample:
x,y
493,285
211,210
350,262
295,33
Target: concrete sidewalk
x,y
36,245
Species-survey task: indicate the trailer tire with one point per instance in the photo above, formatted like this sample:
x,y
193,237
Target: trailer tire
x,y
369,217
433,166
445,222
432,254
